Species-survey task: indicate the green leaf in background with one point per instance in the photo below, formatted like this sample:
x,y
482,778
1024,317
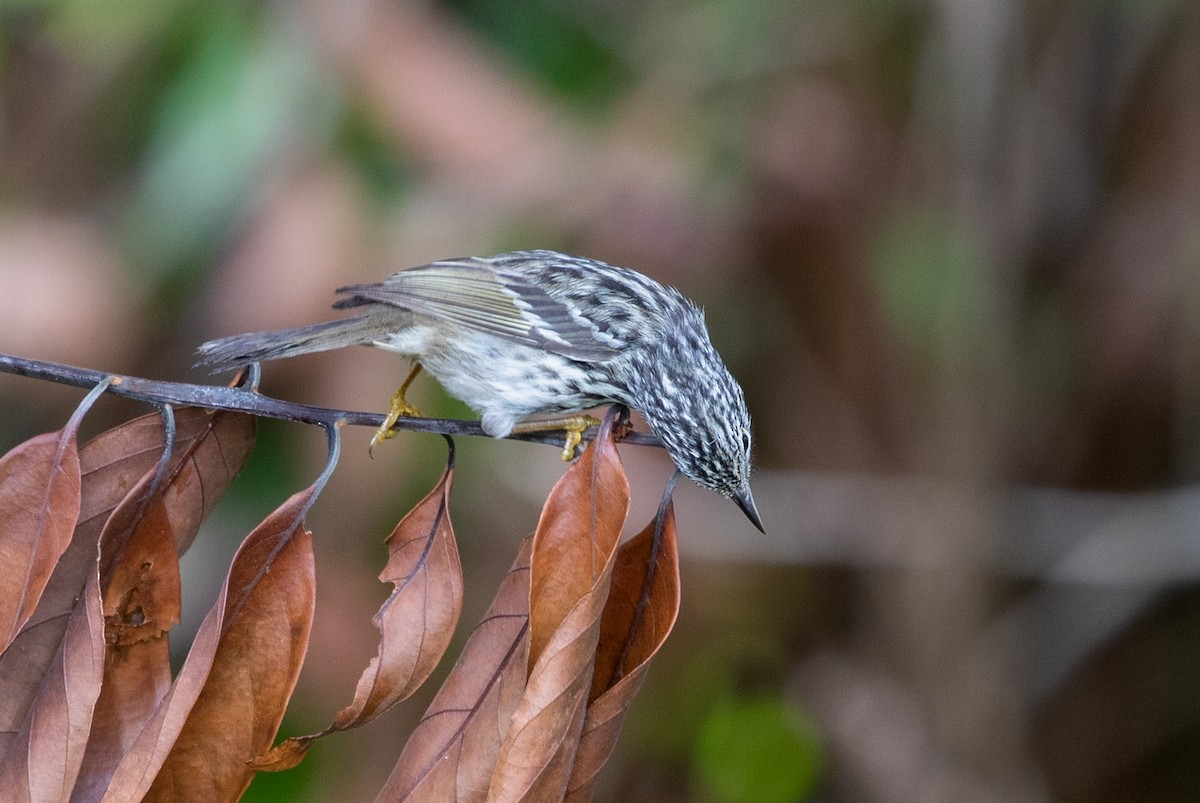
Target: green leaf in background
x,y
757,750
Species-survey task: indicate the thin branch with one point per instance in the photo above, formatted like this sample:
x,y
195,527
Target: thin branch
x,y
243,400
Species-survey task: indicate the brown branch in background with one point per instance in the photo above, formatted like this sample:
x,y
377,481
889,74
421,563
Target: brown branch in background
x,y
245,400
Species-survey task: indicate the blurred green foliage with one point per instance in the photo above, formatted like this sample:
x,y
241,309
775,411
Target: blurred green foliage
x,y
757,750
380,166
242,94
554,42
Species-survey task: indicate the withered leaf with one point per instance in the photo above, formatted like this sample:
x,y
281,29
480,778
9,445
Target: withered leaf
x,y
141,602
39,504
141,590
42,758
642,606
571,568
415,624
226,704
210,448
451,753
643,603
578,530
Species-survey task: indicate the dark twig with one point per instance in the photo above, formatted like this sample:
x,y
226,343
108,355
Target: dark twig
x,y
242,400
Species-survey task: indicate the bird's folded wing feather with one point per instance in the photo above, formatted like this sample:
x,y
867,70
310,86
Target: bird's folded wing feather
x,y
499,304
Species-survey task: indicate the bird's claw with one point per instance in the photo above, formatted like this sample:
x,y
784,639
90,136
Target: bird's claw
x,y
575,427
400,407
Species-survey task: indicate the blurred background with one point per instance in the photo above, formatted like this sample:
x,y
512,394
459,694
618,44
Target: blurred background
x,y
951,250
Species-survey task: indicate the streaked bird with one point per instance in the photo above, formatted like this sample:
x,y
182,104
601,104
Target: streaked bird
x,y
535,332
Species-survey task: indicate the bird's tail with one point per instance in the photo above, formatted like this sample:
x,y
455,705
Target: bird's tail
x,y
238,350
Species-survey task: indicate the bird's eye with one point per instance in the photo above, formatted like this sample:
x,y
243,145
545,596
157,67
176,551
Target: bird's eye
x,y
746,440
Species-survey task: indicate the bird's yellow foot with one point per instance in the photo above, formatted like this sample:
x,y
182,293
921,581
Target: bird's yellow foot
x,y
573,425
400,406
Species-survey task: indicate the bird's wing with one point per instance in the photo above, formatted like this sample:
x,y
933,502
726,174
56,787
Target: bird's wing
x,y
470,293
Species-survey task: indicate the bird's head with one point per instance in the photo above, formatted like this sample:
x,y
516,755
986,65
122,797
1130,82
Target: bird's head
x,y
698,411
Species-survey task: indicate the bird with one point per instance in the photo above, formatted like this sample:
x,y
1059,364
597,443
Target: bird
x,y
538,332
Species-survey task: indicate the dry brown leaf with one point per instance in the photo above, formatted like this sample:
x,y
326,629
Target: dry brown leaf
x,y
642,603
42,758
536,757
226,704
416,623
641,610
141,589
210,448
451,753
39,503
571,568
576,535
141,602
44,746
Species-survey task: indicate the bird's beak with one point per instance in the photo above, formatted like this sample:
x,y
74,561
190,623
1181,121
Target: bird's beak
x,y
746,502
